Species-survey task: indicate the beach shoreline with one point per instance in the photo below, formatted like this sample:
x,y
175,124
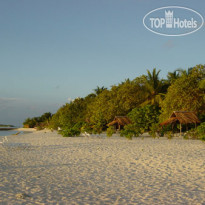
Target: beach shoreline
x,y
25,129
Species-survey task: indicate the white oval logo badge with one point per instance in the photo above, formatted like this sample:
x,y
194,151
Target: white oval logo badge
x,y
173,21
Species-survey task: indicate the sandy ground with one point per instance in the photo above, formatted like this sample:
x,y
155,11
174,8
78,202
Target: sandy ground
x,y
44,168
26,129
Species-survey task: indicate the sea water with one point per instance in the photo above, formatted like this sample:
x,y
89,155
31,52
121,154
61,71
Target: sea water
x,y
4,133
7,132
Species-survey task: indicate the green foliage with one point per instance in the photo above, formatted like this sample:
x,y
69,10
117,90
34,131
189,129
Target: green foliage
x,y
70,132
99,90
185,94
144,117
97,128
130,131
169,135
191,134
154,130
139,99
201,117
86,127
38,128
120,100
29,123
70,114
142,121
164,130
42,121
201,131
1,125
196,133
110,131
154,88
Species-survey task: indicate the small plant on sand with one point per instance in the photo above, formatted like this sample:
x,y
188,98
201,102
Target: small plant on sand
x,y
130,131
86,127
153,130
191,134
169,135
97,128
110,131
38,128
196,133
164,130
70,132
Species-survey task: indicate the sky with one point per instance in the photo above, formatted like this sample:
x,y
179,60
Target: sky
x,y
52,51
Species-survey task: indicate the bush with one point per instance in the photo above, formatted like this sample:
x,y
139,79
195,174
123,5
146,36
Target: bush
x,y
154,129
38,128
201,131
70,132
86,127
196,133
42,121
144,117
164,130
110,131
130,130
97,128
169,135
142,121
191,134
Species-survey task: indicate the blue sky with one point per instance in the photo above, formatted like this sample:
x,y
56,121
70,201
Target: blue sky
x,y
52,51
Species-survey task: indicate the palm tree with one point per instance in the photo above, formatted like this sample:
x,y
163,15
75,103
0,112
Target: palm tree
x,y
99,90
185,72
154,88
172,76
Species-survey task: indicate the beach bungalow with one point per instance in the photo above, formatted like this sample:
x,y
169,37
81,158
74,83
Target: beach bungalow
x,y
119,122
181,117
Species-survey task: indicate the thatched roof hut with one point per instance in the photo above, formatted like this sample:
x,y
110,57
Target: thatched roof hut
x,y
120,121
181,117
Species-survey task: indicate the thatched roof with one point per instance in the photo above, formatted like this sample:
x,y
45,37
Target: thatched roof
x,y
120,120
183,117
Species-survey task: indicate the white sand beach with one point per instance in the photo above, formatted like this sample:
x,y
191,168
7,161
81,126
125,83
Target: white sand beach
x,y
44,168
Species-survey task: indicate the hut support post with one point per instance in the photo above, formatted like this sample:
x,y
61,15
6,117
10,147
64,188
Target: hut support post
x,y
180,129
172,128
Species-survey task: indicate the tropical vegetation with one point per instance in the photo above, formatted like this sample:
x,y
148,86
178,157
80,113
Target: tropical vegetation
x,y
147,100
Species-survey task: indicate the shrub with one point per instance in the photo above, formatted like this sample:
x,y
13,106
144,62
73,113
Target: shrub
x,y
164,130
130,130
201,131
38,128
169,135
97,128
144,117
110,131
154,129
196,133
86,127
191,134
142,121
70,132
